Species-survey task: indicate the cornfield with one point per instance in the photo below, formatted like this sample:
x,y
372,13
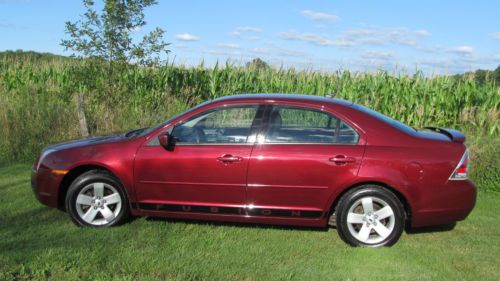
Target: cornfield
x,y
37,105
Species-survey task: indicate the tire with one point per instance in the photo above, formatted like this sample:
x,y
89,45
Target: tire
x,y
97,199
370,215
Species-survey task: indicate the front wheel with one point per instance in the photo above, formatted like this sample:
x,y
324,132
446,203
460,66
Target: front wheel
x,y
97,199
370,216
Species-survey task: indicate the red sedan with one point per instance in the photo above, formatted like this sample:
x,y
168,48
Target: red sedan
x,y
277,159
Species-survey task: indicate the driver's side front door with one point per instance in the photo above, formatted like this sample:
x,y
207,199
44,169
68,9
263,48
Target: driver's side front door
x,y
206,170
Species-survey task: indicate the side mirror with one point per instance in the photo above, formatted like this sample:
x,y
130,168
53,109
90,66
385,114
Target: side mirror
x,y
167,141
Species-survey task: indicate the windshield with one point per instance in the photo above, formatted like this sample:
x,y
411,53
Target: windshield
x,y
400,125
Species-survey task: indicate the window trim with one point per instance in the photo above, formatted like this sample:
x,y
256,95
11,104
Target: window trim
x,y
265,128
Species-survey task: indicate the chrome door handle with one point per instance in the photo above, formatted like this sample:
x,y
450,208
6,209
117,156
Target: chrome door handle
x,y
342,159
228,158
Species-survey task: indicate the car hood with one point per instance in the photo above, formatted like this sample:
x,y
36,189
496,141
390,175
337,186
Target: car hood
x,y
85,142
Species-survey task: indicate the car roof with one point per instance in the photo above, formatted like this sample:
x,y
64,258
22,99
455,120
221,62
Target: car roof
x,y
296,97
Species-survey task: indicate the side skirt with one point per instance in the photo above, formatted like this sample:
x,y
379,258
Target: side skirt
x,y
233,214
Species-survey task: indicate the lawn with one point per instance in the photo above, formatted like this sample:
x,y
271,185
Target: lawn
x,y
39,243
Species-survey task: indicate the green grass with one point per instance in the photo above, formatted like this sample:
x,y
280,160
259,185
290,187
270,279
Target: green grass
x,y
39,243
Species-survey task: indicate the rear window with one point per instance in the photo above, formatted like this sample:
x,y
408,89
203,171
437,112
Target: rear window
x,y
400,125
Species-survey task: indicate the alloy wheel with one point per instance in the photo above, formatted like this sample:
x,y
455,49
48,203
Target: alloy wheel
x,y
370,220
98,203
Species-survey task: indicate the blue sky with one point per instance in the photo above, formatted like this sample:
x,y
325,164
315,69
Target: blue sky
x,y
434,36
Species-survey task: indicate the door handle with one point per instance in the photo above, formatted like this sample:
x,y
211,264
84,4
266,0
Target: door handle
x,y
228,158
342,159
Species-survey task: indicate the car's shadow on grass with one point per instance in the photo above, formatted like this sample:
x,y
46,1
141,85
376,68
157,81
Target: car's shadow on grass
x,y
430,229
235,224
408,230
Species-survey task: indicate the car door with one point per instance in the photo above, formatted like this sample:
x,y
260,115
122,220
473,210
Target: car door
x,y
207,167
301,157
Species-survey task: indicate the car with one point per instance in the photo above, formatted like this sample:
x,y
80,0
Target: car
x,y
279,159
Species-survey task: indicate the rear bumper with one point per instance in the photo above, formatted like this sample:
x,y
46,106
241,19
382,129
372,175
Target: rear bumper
x,y
448,204
45,186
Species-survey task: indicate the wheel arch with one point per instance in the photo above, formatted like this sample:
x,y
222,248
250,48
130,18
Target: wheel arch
x,y
73,174
402,198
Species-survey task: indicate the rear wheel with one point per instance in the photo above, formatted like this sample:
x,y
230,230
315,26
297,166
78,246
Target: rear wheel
x,y
370,216
96,198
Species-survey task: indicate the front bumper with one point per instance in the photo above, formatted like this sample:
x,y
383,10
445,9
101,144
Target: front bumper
x,y
45,185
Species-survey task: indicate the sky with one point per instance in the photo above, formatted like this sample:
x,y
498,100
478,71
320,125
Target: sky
x,y
436,37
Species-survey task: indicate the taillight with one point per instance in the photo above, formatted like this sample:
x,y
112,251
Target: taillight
x,y
460,172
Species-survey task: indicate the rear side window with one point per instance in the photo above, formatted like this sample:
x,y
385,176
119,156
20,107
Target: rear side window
x,y
302,125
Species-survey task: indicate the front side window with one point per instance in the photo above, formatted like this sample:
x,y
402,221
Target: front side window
x,y
219,126
302,125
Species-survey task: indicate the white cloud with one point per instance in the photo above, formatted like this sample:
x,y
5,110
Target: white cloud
x,y
243,35
379,55
272,51
187,37
384,35
459,64
220,52
402,37
252,38
314,15
260,51
495,35
462,50
373,61
321,26
446,65
225,53
422,32
312,38
248,29
361,37
229,45
364,36
429,49
245,32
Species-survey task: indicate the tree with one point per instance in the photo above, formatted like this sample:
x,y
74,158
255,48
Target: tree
x,y
480,76
107,35
496,74
258,64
